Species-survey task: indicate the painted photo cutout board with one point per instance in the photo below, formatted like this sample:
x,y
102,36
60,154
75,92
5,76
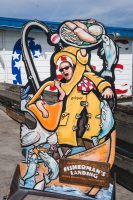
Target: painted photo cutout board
x,y
70,148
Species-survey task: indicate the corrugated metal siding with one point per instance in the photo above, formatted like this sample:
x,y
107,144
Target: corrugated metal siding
x,y
2,59
124,77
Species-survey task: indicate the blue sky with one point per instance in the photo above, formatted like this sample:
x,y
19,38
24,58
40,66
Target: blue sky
x,y
110,12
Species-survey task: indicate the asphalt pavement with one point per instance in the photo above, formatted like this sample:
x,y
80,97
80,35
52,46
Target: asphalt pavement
x,y
10,156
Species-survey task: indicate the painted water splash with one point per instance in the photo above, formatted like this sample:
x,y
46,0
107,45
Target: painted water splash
x,y
104,193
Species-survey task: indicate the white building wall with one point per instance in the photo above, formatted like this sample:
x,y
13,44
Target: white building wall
x,y
2,59
8,39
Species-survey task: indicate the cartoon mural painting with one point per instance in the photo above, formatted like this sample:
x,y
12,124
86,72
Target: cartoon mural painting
x,y
79,127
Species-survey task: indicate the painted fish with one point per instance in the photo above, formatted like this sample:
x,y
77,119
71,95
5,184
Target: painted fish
x,y
24,92
107,119
110,50
52,165
29,136
29,179
107,122
34,137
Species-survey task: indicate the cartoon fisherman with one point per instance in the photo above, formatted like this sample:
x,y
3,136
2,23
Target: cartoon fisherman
x,y
82,88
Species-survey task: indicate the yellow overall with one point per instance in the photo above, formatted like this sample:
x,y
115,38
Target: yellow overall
x,y
76,100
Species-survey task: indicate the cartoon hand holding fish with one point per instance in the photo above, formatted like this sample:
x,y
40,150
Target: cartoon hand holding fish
x,y
108,93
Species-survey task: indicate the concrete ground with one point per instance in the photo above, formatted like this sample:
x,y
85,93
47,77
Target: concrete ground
x,y
10,156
